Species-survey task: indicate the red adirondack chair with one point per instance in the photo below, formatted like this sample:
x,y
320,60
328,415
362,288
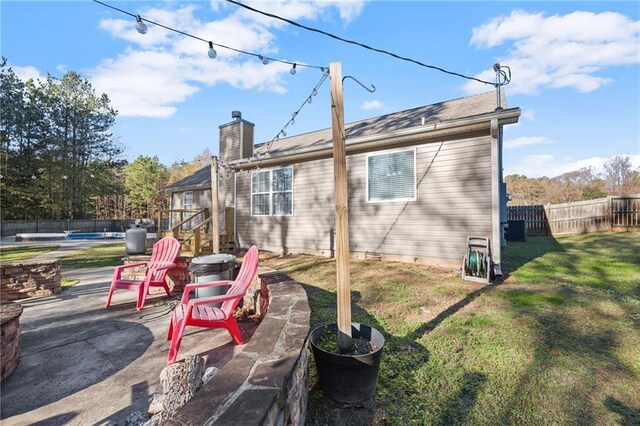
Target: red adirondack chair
x,y
163,257
195,312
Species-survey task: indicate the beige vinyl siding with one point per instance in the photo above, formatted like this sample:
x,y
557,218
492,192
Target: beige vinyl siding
x,y
201,200
230,148
453,201
247,140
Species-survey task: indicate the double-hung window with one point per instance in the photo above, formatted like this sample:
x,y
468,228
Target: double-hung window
x,y
391,176
187,200
272,192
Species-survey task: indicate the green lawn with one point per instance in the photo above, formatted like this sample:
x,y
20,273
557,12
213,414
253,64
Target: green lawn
x,y
95,257
18,253
558,342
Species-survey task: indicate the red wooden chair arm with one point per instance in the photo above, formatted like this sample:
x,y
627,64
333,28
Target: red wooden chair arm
x,y
190,287
215,299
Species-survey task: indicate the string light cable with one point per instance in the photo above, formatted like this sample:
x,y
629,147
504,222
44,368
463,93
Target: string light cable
x,y
365,46
142,29
294,115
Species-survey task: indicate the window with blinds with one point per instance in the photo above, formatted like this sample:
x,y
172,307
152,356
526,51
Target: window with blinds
x,y
391,176
272,192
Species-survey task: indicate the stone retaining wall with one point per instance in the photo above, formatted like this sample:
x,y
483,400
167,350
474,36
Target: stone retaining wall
x,y
266,383
21,280
9,337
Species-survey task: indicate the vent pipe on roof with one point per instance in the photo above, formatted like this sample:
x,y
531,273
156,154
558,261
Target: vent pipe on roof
x,y
496,68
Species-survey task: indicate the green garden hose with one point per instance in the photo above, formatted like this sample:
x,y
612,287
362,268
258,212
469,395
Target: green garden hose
x,y
476,264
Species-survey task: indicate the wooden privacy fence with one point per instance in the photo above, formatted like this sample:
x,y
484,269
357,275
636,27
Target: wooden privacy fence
x,y
603,214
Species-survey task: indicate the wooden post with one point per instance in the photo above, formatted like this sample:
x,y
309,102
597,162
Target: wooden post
x,y
342,214
215,226
197,244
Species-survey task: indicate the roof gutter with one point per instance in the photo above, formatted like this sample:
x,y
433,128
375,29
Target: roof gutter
x,y
426,133
188,188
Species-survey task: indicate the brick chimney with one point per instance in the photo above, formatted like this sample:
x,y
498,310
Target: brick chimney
x,y
236,138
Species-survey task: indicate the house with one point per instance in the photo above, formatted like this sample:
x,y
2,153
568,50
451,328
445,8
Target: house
x,y
420,182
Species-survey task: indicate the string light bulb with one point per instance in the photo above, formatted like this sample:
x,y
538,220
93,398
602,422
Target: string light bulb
x,y
140,26
33,177
309,100
212,52
293,69
314,92
264,59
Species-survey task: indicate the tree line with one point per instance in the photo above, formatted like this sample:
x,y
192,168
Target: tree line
x,y
60,160
618,178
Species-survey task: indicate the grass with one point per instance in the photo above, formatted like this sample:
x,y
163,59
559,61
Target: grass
x,y
95,257
18,253
67,282
558,342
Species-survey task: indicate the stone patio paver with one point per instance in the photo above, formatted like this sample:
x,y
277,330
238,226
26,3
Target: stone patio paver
x,y
82,363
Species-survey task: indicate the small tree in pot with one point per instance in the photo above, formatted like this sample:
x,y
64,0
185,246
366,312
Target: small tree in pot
x,y
349,372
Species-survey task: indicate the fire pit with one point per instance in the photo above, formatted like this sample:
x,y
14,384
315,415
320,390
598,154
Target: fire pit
x,y
10,337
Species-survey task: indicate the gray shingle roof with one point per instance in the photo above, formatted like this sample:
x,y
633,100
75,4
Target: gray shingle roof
x,y
442,111
469,106
200,178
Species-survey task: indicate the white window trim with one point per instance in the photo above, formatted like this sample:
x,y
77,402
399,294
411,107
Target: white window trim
x,y
184,207
415,177
260,193
271,192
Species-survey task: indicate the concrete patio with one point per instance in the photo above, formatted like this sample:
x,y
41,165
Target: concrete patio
x,y
82,363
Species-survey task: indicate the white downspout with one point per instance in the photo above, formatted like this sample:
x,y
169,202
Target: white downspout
x,y
235,174
235,211
496,237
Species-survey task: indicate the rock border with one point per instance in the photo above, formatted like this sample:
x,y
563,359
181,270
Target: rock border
x,y
30,278
266,383
9,337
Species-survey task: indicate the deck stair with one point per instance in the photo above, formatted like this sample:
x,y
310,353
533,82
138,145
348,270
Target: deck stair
x,y
193,230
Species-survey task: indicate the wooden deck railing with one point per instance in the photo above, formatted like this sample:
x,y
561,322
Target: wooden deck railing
x,y
196,239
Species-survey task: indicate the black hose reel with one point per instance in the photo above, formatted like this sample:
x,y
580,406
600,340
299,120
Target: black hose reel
x,y
477,264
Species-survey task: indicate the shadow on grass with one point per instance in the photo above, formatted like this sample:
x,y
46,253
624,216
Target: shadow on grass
x,y
565,348
402,357
451,310
628,415
519,254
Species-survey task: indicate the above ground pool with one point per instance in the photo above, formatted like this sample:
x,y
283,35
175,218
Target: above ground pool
x,y
74,236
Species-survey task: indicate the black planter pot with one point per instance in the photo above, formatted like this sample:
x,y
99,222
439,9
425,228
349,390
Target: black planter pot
x,y
348,378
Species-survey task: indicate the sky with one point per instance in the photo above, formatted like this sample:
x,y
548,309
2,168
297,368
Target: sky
x,y
575,68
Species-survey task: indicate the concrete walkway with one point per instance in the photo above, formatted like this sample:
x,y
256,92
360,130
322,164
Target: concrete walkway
x,y
83,364
66,247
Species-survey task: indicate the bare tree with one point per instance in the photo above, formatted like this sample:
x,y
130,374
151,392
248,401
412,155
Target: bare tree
x,y
620,177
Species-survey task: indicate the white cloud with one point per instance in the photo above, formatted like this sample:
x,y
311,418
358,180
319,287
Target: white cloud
x,y
373,105
161,69
27,73
535,166
526,141
302,9
528,114
560,50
